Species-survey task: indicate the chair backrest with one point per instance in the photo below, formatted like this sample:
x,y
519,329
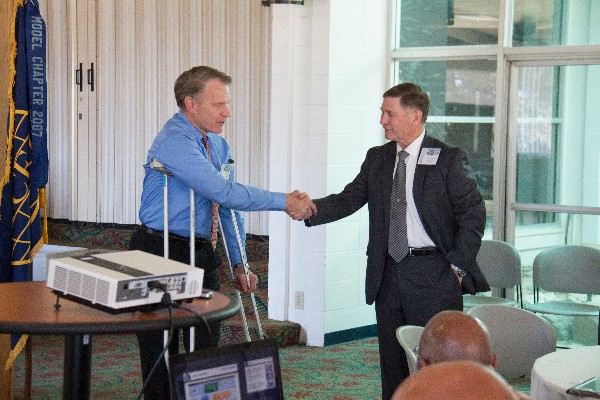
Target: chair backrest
x,y
568,269
409,336
518,337
500,263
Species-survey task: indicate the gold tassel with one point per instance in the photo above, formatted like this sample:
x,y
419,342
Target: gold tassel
x,y
15,352
9,138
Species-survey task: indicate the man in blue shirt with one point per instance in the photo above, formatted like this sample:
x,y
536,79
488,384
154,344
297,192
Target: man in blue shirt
x,y
190,148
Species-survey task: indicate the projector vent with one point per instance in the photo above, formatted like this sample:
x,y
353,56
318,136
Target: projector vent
x,y
60,279
88,287
80,285
195,288
102,291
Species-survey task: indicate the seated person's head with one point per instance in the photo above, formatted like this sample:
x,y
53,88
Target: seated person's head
x,y
452,336
454,380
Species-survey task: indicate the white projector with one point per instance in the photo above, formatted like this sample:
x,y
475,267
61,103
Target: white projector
x,y
123,280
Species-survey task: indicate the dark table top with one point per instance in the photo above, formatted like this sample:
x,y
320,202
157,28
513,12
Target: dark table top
x,y
29,307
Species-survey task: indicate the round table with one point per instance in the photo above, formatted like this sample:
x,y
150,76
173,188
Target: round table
x,y
555,372
29,307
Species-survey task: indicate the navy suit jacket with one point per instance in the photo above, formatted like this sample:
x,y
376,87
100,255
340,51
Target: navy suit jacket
x,y
447,199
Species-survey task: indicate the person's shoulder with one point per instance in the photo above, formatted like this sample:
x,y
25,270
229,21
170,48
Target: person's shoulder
x,y
378,154
430,141
447,150
178,130
176,125
389,147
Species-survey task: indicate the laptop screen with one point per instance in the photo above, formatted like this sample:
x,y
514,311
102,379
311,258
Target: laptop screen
x,y
241,371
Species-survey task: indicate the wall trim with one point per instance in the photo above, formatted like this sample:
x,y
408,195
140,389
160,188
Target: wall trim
x,y
348,335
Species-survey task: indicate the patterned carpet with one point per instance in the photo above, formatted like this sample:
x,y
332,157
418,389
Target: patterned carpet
x,y
347,371
343,372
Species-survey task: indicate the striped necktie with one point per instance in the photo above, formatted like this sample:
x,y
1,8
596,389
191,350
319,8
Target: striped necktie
x,y
398,238
215,206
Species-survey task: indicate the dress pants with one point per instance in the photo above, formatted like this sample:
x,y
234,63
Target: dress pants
x,y
411,292
151,343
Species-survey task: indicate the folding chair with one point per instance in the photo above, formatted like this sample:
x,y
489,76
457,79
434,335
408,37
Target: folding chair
x,y
567,269
500,263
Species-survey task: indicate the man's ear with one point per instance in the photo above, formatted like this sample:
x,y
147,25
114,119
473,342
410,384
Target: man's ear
x,y
419,115
189,103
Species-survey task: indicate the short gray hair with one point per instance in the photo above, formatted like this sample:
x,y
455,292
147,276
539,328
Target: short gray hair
x,y
411,96
192,82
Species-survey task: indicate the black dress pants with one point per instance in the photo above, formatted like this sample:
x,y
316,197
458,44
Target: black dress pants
x,y
151,343
411,292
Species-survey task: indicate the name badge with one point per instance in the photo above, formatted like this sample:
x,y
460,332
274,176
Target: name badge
x,y
429,156
226,170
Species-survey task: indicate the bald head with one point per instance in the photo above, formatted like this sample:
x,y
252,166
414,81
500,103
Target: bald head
x,y
454,380
452,336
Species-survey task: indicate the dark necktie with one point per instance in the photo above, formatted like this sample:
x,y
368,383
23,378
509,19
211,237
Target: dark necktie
x,y
215,206
398,238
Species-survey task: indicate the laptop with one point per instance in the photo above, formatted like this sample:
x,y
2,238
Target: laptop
x,y
242,371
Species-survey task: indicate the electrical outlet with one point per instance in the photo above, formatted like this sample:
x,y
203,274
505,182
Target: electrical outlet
x,y
299,300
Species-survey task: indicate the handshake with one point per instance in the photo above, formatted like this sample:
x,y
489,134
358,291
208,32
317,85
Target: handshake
x,y
299,206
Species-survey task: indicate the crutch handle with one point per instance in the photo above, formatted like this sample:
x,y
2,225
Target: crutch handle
x,y
157,165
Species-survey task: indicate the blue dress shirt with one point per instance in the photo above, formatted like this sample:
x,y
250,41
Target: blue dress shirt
x,y
179,148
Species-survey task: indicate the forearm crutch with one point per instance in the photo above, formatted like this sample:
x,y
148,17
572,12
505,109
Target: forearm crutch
x,y
157,165
247,275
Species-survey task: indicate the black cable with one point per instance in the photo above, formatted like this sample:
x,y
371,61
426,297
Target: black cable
x,y
166,300
170,304
200,317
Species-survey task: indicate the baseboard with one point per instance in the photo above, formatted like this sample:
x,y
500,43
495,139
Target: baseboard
x,y
350,334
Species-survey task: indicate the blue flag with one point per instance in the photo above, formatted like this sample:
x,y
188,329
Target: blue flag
x,y
35,33
26,169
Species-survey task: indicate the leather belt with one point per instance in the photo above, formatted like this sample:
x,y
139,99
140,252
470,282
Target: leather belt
x,y
422,251
154,232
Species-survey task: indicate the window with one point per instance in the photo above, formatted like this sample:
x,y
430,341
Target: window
x,y
512,86
555,23
447,23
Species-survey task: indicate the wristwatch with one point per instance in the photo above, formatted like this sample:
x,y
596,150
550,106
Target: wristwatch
x,y
459,271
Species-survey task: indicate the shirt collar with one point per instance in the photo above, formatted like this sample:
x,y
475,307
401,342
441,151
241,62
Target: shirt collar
x,y
413,148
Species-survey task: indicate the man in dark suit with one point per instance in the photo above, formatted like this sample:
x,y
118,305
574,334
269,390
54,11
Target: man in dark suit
x,y
434,236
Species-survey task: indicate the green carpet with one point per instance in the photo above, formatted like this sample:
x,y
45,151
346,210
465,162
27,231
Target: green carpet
x,y
346,371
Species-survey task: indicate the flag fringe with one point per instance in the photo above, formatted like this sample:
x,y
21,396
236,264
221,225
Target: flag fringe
x,y
42,199
11,100
15,352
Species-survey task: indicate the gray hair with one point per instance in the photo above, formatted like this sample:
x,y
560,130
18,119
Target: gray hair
x,y
192,82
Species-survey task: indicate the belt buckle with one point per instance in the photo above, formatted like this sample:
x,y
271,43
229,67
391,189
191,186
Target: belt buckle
x,y
410,251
